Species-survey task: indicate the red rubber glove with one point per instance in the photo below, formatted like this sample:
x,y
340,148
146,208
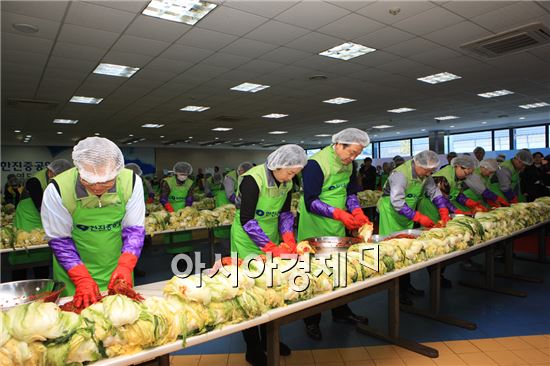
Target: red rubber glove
x,y
346,218
470,203
461,212
444,215
86,292
273,249
360,218
150,200
124,269
169,207
289,238
423,220
514,200
493,204
502,202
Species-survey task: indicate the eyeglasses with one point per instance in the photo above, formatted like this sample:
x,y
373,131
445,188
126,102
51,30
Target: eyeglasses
x,y
107,184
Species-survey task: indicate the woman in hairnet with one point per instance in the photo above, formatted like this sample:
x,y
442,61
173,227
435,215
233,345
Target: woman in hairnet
x,y
230,184
507,178
94,216
263,218
176,190
478,186
27,217
149,194
329,204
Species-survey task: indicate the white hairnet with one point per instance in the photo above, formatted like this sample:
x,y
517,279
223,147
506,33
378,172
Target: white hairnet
x,y
97,159
525,157
244,166
287,156
465,161
427,159
489,164
135,168
351,136
182,167
58,166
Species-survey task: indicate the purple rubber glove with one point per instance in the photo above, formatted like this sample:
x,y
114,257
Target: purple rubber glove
x,y
256,234
510,195
286,222
320,208
352,202
163,200
189,201
232,198
461,198
442,202
132,240
65,252
407,212
488,195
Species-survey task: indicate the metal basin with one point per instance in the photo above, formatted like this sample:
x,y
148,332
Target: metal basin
x,y
326,245
23,292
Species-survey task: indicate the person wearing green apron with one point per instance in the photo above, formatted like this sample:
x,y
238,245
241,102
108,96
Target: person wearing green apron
x,y
329,204
507,180
262,219
213,187
450,182
478,186
27,218
148,193
176,192
230,182
94,216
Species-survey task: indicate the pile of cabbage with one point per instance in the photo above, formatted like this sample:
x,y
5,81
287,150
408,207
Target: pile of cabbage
x,y
13,238
7,212
369,198
206,203
294,202
189,218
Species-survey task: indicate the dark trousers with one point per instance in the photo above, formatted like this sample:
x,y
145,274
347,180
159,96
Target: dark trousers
x,y
339,312
255,338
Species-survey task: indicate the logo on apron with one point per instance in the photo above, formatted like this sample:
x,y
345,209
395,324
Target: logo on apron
x,y
96,228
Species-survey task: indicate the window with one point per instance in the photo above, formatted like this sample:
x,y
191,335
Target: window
x,y
367,151
388,149
502,140
420,144
310,152
467,142
530,137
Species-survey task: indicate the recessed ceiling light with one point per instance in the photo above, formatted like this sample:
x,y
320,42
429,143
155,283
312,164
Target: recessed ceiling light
x,y
445,118
277,132
130,135
222,129
65,121
301,141
16,131
496,93
423,130
339,100
336,121
275,115
534,105
161,136
347,51
216,138
397,133
152,125
283,140
28,136
115,70
323,135
401,110
85,100
182,11
190,137
439,78
263,139
451,126
484,123
59,133
194,108
97,133
521,117
375,135
250,87
25,28
382,126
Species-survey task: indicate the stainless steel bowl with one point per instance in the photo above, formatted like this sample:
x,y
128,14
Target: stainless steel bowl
x,y
22,292
325,245
376,238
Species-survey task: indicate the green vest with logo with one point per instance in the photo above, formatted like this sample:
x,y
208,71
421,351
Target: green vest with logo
x,y
178,192
333,193
516,187
477,197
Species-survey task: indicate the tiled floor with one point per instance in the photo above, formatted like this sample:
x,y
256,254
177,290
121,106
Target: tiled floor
x,y
509,351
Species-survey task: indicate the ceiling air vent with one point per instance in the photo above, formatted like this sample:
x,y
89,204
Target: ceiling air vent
x,y
512,41
32,104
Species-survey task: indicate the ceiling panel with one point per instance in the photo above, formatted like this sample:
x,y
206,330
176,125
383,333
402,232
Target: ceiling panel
x,y
509,17
264,8
141,46
469,9
231,21
87,36
351,26
457,34
98,17
126,59
384,37
411,47
164,64
285,55
157,29
276,33
207,39
46,28
248,48
225,60
133,6
18,42
77,52
311,15
428,21
314,42
52,10
185,53
379,10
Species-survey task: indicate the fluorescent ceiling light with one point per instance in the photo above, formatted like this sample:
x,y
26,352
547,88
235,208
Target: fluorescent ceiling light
x,y
339,100
401,110
496,93
152,125
534,105
521,117
397,133
439,78
484,123
275,115
278,132
97,134
347,51
194,108
323,135
423,130
451,126
161,136
222,129
250,87
445,118
336,121
115,70
65,121
381,127
59,133
85,100
28,136
16,131
181,11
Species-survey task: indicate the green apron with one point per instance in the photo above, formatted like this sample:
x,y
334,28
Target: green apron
x,y
333,193
391,220
383,180
97,227
516,187
27,218
219,195
270,202
178,195
477,197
